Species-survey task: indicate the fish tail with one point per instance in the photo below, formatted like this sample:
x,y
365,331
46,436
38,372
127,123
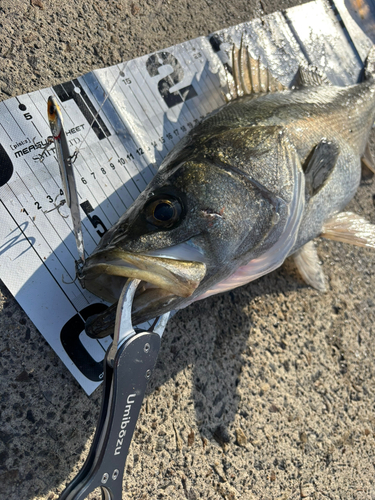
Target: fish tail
x,y
348,227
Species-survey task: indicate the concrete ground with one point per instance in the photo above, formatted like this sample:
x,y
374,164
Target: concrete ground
x,y
266,392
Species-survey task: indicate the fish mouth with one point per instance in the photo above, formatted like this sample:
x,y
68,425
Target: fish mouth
x,y
163,279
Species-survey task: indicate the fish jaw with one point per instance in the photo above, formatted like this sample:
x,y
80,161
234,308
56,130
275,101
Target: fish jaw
x,y
162,278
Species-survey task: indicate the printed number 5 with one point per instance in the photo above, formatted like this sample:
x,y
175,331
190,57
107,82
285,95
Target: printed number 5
x,y
171,98
94,219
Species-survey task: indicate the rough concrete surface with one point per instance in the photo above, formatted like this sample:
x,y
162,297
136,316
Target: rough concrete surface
x,y
266,392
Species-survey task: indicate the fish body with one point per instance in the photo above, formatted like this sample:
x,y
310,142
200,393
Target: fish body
x,y
255,182
340,116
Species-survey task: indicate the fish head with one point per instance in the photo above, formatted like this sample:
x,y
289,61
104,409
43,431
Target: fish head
x,y
182,232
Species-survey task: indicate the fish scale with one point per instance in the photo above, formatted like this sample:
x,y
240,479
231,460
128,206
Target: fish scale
x,y
255,182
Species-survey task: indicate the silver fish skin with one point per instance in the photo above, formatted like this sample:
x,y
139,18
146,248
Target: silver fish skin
x,y
249,186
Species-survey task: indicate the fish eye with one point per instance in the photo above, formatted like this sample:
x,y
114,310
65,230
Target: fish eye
x,y
163,212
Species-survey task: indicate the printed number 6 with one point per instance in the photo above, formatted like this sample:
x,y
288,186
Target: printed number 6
x,y
171,98
69,337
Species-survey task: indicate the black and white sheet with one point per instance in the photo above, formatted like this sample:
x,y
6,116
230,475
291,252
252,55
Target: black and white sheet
x,y
122,121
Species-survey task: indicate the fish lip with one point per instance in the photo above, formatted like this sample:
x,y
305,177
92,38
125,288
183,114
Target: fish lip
x,y
178,277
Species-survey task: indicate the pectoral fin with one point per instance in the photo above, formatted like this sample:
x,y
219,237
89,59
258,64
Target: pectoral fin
x,y
319,166
307,262
350,228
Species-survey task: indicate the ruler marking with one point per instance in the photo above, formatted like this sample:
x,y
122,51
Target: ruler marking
x,y
216,96
131,177
146,115
157,97
184,53
6,132
39,256
41,184
123,186
53,251
73,121
151,112
123,141
131,136
125,145
156,115
114,190
167,126
11,114
36,128
46,218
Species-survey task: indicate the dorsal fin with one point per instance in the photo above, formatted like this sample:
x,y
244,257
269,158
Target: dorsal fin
x,y
249,75
311,76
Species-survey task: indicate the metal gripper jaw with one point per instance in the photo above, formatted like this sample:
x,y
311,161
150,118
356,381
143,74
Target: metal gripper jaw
x,y
128,366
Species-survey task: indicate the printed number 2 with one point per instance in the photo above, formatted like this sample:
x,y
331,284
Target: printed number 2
x,y
164,85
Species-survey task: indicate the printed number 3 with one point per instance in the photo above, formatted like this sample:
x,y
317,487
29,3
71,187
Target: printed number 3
x,y
171,98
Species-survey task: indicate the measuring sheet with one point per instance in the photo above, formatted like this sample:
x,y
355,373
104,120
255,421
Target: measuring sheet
x,y
123,120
